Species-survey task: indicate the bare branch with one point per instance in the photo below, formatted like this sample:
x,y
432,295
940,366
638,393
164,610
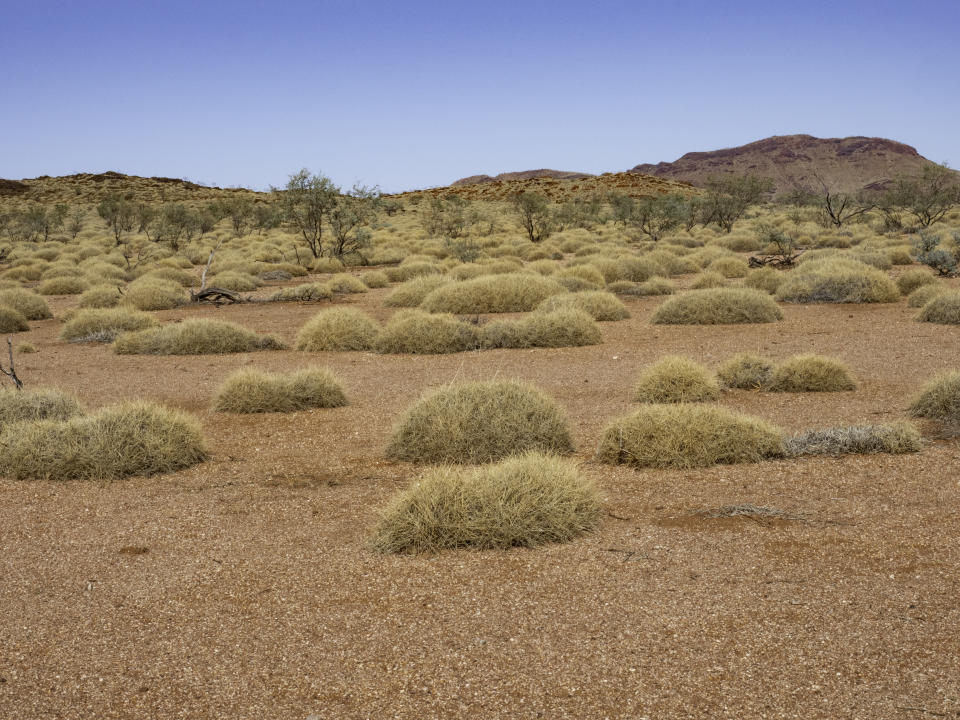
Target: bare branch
x,y
12,372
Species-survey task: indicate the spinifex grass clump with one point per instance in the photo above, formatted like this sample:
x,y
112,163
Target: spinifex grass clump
x,y
837,280
522,501
688,436
896,437
259,391
676,379
598,304
479,422
925,293
745,371
943,309
422,333
412,292
194,337
565,327
718,306
939,399
100,296
104,325
28,304
63,285
136,438
510,292
36,404
810,373
913,279
154,294
12,320
339,328
306,292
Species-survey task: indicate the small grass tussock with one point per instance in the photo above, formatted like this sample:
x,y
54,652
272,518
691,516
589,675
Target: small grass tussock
x,y
235,281
896,437
676,379
305,292
564,327
136,438
924,294
197,336
509,292
708,279
913,279
26,348
339,328
943,309
811,373
154,294
12,320
598,304
939,399
63,285
523,501
480,422
688,436
257,391
27,303
36,404
104,325
421,333
718,306
729,267
345,283
745,371
765,279
412,292
375,279
837,280
100,296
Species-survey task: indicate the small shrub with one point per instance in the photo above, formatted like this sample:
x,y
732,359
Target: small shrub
x,y
765,279
480,422
63,286
181,277
729,267
375,279
810,373
939,399
708,279
924,294
345,283
896,437
510,292
28,304
655,286
522,501
412,292
688,436
675,379
407,270
943,309
913,279
194,337
566,327
12,320
36,404
586,273
104,325
745,371
598,304
341,328
306,292
423,333
26,348
100,296
327,265
136,438
837,280
235,281
718,306
154,294
257,391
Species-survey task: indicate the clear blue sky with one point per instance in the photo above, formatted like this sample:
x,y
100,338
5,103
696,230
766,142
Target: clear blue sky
x,y
416,94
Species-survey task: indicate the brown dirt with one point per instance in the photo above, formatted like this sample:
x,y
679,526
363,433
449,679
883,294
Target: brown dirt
x,y
244,587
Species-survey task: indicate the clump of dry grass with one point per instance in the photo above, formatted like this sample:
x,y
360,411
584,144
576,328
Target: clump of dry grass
x,y
28,304
258,391
26,348
896,437
729,267
510,292
745,371
522,501
924,294
718,306
375,279
943,309
598,304
100,296
339,328
688,436
36,404
136,438
235,281
422,333
708,279
939,399
811,373
410,269
653,286
305,292
198,336
765,279
154,294
837,280
63,285
412,292
104,325
676,379
327,265
913,279
345,283
12,320
180,277
565,327
479,422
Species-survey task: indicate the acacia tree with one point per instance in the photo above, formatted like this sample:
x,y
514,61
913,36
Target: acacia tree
x,y
349,219
306,202
837,208
728,198
533,212
119,214
655,216
928,197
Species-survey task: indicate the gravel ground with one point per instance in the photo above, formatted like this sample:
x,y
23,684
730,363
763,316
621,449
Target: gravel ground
x,y
244,587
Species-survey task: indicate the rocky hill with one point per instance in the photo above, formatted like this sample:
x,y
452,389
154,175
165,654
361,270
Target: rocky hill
x,y
844,164
521,175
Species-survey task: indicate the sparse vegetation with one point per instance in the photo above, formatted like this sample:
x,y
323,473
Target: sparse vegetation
x,y
897,437
939,399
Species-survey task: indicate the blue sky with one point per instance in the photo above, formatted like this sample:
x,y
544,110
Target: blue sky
x,y
416,94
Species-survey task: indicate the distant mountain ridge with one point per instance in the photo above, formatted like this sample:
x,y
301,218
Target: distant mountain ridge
x,y
844,164
521,175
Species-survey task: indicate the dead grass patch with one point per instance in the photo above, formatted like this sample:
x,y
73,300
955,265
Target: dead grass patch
x,y
896,437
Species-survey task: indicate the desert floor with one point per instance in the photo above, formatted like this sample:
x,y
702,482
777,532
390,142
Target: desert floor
x,y
245,588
